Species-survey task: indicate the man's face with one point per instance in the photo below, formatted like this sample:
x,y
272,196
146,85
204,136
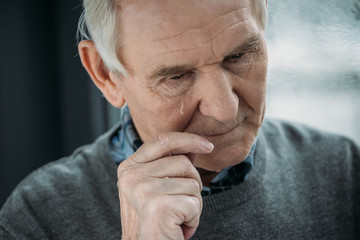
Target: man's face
x,y
195,66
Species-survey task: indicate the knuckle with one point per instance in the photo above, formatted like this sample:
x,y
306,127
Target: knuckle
x,y
124,167
126,179
194,184
185,162
121,168
197,211
187,167
129,170
122,172
195,204
162,139
124,185
130,160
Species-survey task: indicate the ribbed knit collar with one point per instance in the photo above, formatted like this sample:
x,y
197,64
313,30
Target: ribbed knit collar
x,y
244,191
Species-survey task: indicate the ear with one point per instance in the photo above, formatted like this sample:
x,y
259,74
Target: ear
x,y
107,82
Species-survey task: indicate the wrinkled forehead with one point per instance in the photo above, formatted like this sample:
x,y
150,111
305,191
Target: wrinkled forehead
x,y
158,28
170,17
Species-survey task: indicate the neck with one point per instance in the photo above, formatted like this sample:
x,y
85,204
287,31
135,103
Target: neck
x,y
206,176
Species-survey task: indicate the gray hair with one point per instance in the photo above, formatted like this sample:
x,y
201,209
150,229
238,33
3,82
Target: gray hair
x,y
98,23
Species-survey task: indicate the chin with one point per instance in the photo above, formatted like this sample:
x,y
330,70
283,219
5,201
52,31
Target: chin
x,y
230,149
223,157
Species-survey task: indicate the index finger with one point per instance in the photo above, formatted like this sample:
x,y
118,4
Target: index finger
x,y
171,143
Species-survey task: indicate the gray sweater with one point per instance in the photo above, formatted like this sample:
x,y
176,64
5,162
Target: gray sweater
x,y
305,184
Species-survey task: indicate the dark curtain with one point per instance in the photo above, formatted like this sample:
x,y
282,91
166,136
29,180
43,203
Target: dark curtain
x,y
48,104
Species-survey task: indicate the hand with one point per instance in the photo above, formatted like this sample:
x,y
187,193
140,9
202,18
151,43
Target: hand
x,y
160,189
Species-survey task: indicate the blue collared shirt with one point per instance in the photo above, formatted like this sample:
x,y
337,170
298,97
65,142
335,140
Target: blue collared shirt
x,y
126,141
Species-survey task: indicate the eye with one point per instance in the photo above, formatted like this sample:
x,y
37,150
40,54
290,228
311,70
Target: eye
x,y
239,55
173,86
237,63
178,77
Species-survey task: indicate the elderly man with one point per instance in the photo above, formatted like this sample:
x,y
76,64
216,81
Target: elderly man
x,y
188,158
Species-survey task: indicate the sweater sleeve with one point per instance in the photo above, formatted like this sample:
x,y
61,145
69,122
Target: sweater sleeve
x,y
4,234
19,216
74,197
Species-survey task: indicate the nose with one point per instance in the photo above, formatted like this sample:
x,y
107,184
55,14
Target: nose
x,y
218,99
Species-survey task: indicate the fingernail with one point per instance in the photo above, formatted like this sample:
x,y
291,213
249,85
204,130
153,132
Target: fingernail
x,y
208,146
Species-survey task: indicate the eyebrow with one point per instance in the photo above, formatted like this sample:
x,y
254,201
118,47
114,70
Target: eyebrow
x,y
249,44
165,71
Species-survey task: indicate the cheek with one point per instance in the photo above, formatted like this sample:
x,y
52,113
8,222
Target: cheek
x,y
155,114
166,114
181,112
253,89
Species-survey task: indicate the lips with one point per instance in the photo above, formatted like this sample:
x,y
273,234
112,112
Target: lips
x,y
220,132
214,128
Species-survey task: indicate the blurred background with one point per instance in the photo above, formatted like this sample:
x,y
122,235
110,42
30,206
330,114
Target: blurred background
x,y
314,63
49,106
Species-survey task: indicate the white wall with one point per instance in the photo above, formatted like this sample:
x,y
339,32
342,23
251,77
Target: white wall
x,y
314,63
